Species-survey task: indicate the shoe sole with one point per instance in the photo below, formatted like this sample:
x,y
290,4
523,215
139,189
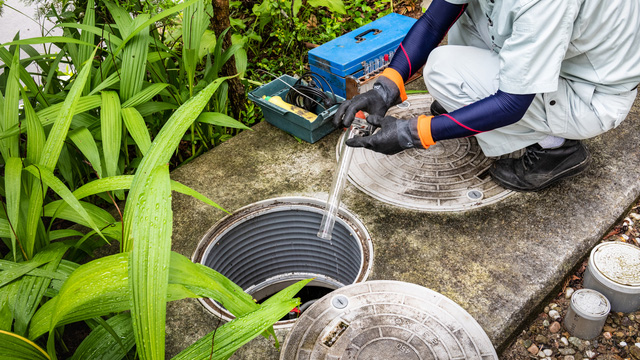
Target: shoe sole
x,y
569,173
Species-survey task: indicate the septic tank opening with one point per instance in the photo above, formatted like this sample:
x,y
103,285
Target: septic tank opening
x,y
267,246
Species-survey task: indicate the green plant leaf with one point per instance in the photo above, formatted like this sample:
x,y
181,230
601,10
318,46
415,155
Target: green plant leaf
x,y
9,145
333,5
207,43
58,133
60,209
56,185
97,288
5,229
241,62
101,344
8,265
15,347
32,288
50,154
153,20
35,144
111,130
151,107
46,40
85,142
149,263
94,289
157,56
134,59
6,317
25,77
10,275
104,33
183,189
145,95
111,183
137,127
84,52
220,119
108,82
234,334
162,148
12,187
121,17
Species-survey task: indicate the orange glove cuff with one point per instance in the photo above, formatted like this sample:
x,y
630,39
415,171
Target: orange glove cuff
x,y
424,130
395,76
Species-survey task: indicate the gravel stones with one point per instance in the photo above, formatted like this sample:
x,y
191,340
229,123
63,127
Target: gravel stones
x,y
546,338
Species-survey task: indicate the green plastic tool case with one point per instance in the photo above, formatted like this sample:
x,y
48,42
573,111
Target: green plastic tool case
x,y
288,121
364,51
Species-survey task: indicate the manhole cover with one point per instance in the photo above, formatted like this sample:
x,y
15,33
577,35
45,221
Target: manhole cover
x,y
449,176
386,320
269,245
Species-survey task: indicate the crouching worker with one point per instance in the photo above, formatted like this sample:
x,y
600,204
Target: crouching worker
x,y
540,74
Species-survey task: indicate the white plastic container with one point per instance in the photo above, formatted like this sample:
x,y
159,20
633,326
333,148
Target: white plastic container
x,y
614,271
587,314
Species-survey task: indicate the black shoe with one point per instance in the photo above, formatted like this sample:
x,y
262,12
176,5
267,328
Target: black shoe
x,y
437,109
539,168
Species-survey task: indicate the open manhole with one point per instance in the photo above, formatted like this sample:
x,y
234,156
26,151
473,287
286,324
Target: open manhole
x,y
266,246
449,176
387,320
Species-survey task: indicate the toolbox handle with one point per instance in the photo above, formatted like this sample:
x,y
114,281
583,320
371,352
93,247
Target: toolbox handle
x,y
360,37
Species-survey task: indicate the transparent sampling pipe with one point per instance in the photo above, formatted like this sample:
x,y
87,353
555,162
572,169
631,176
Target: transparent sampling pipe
x,y
358,128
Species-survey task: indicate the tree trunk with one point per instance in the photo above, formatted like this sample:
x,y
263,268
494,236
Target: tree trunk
x,y
219,23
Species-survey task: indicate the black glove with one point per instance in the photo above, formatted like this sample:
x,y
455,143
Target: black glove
x,y
377,101
395,135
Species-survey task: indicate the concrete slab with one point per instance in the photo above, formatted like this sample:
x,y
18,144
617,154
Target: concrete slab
x,y
498,262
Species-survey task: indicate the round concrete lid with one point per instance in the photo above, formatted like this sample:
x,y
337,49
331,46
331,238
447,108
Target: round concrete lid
x,y
618,262
590,304
451,175
386,320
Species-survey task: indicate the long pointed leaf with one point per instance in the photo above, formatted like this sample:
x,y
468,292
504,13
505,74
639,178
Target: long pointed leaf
x,y
9,146
15,347
220,119
26,78
12,182
56,185
137,127
85,142
58,133
183,189
84,52
5,230
32,288
62,210
234,334
94,289
163,146
134,59
149,263
50,155
111,129
108,82
46,40
101,344
35,142
145,95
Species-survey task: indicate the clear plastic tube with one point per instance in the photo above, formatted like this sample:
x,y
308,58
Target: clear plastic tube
x,y
339,178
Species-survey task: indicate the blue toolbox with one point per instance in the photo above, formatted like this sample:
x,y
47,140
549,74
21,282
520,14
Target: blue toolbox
x,y
351,62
